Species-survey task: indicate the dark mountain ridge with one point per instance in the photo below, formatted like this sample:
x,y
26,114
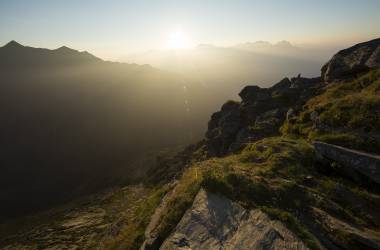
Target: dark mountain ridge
x,y
72,123
14,54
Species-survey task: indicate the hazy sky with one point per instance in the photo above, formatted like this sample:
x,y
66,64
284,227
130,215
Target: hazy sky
x,y
115,27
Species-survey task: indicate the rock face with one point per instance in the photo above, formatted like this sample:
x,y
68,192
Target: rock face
x,y
260,113
223,127
353,162
152,241
349,62
215,222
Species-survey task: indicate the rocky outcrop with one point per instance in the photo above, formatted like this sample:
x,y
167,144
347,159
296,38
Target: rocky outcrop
x,y
215,222
152,240
352,61
223,127
355,163
260,114
359,238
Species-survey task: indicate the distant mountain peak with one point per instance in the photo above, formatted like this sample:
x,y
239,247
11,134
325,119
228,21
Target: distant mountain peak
x,y
284,43
63,47
13,44
17,54
282,46
66,49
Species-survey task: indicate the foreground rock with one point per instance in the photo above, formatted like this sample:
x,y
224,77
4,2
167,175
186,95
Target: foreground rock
x,y
215,222
352,61
152,240
355,163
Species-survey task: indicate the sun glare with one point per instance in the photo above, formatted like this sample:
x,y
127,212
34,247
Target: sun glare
x,y
178,40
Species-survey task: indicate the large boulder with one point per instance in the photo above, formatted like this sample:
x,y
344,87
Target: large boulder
x,y
352,61
215,222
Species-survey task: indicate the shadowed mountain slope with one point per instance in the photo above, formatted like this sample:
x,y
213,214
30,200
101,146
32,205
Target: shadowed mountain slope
x,y
292,166
72,123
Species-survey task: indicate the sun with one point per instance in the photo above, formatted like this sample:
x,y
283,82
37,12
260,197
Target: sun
x,y
178,40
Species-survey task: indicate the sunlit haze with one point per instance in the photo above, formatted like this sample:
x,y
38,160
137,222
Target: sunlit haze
x,y
190,124
179,40
111,29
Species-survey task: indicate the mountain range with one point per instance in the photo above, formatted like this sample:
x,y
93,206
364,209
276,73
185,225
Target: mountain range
x,y
228,69
292,165
72,122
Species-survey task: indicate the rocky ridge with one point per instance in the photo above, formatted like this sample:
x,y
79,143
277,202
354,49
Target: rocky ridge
x,y
260,113
333,210
250,184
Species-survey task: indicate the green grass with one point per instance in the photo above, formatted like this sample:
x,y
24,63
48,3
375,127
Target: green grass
x,y
132,234
270,173
355,111
181,199
348,111
265,175
294,225
241,178
349,140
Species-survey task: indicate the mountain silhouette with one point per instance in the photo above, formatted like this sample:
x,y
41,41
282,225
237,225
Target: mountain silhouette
x,y
14,54
73,123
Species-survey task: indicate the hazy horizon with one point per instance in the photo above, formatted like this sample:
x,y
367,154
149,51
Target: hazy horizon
x,y
190,124
114,29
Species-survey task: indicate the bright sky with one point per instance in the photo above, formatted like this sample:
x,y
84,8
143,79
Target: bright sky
x,y
117,27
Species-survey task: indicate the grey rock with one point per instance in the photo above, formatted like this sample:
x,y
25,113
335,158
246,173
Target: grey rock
x,y
266,124
254,93
215,222
359,238
314,116
223,127
260,114
152,240
355,163
290,114
352,61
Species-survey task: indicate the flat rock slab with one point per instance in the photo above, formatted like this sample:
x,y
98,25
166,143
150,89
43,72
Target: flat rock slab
x,y
366,164
215,222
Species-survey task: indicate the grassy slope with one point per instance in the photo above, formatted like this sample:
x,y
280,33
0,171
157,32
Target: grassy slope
x,y
349,113
97,221
280,175
131,235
